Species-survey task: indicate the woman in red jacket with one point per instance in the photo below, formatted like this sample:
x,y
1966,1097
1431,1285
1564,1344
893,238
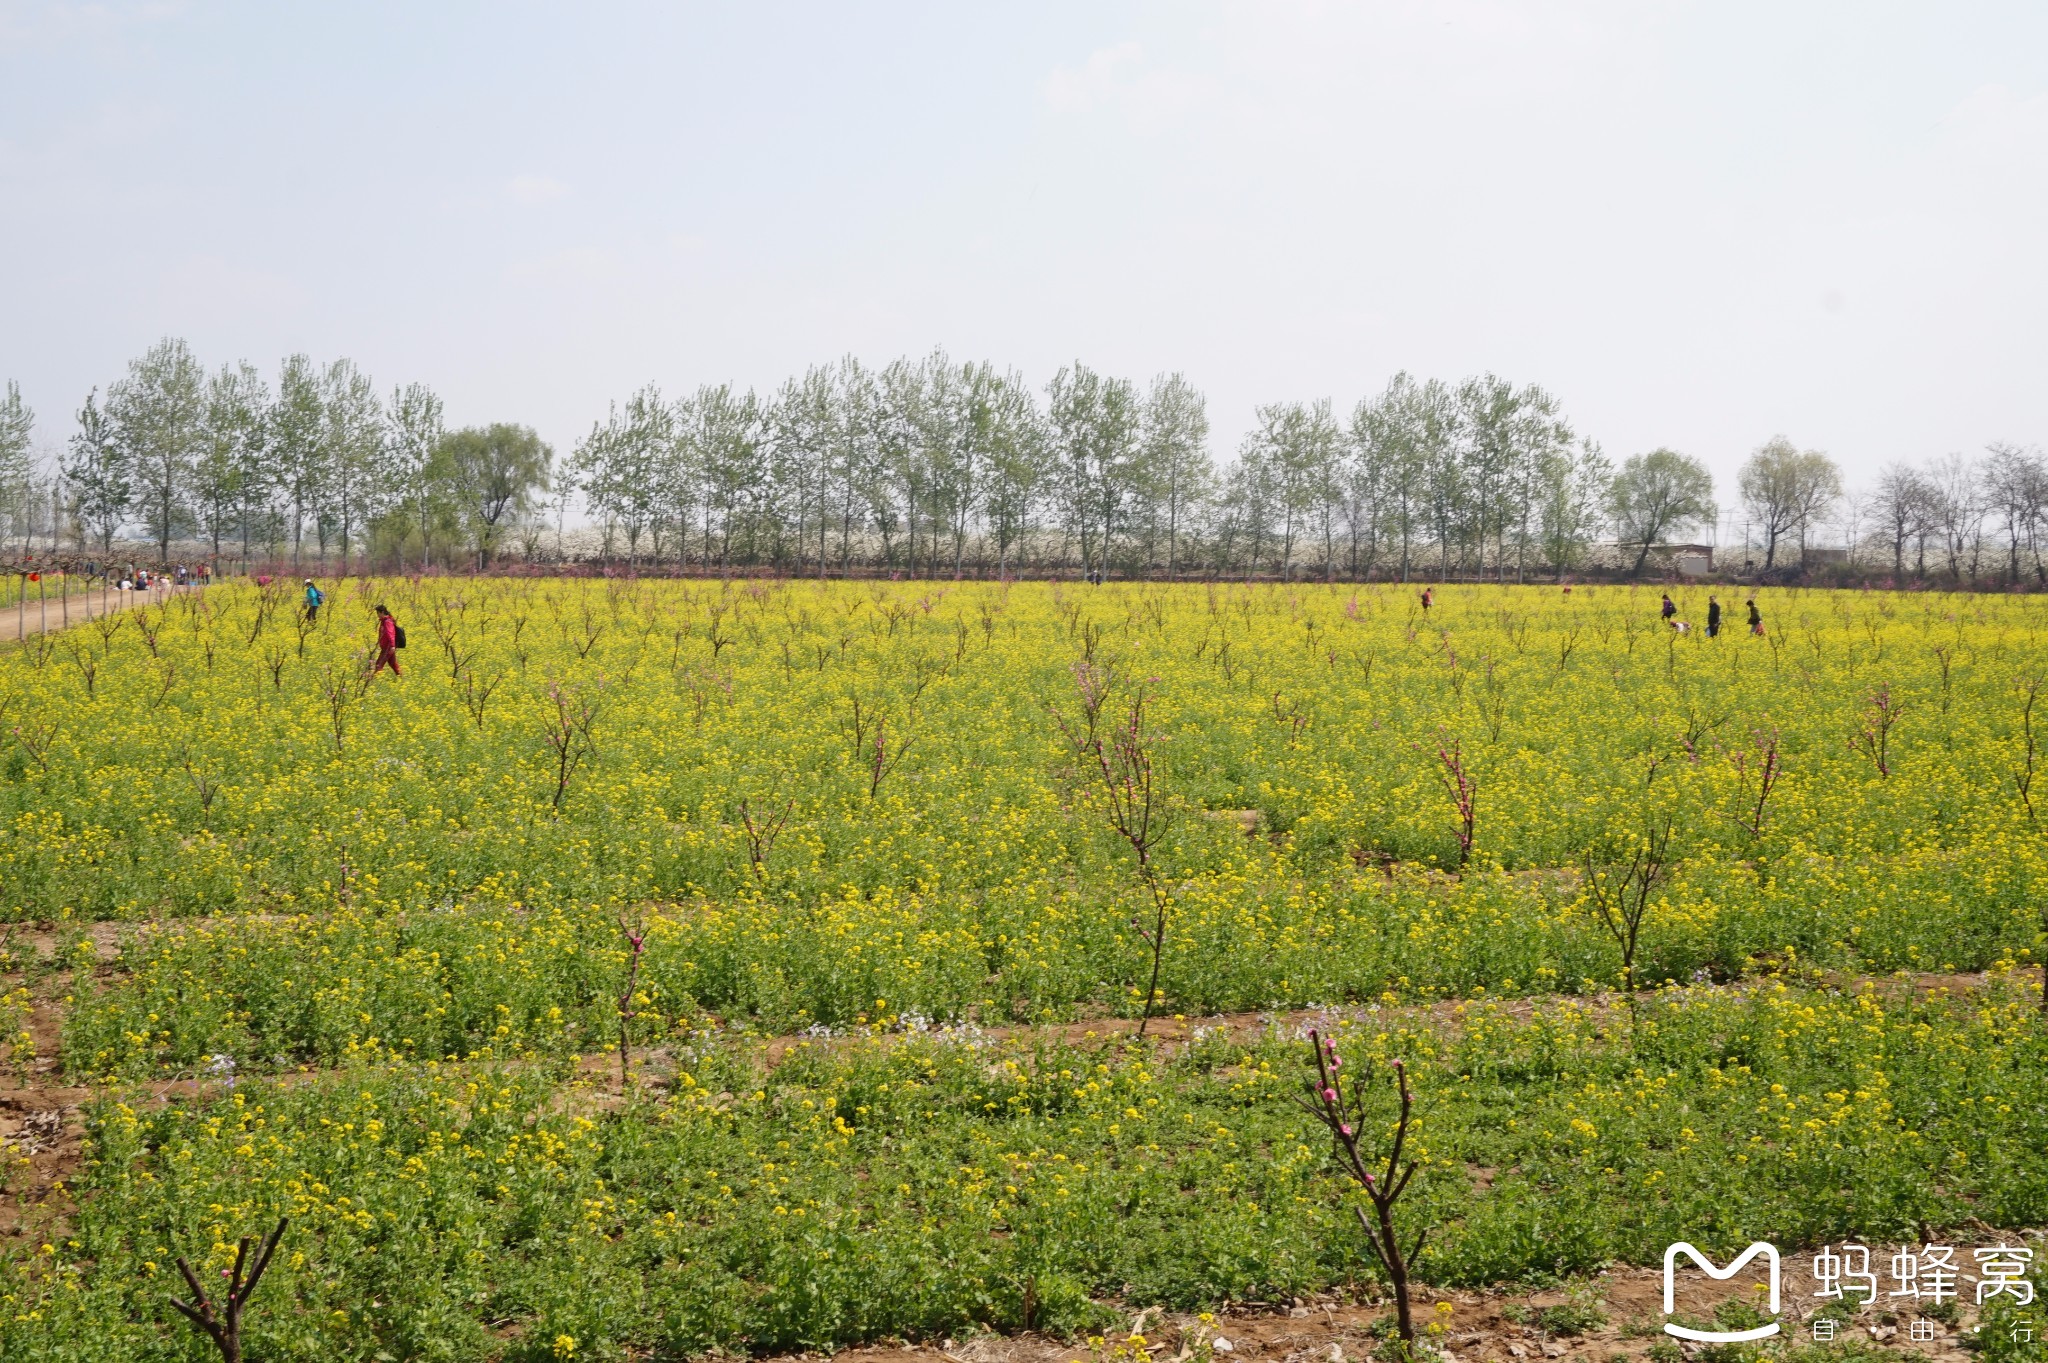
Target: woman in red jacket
x,y
387,643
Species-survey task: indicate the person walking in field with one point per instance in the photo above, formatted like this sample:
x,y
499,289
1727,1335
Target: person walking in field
x,y
1756,618
1669,608
1713,617
1427,597
314,600
390,638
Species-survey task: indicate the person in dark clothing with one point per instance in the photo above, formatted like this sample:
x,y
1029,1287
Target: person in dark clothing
x,y
1713,616
387,643
1669,608
1756,618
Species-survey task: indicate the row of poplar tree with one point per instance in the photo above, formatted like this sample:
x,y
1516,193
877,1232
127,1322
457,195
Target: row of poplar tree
x,y
934,466
921,466
320,462
929,466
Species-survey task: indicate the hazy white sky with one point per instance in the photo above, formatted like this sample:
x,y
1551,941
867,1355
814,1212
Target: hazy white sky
x,y
1698,223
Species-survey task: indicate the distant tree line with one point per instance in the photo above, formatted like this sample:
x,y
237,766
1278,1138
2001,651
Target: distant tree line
x,y
932,467
1963,518
314,466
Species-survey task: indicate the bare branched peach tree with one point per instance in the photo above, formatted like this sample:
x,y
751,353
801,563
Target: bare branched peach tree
x,y
1758,777
1464,792
1874,737
1118,759
877,752
1622,875
2023,779
222,1322
1381,1168
2023,782
569,725
629,1002
762,827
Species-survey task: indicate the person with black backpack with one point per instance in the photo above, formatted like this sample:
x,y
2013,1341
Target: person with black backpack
x,y
390,638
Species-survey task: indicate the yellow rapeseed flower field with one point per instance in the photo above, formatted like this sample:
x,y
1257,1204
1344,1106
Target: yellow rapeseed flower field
x,y
832,803
818,857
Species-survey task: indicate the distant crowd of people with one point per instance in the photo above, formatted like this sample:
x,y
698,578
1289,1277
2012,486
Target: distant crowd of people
x,y
1667,611
142,579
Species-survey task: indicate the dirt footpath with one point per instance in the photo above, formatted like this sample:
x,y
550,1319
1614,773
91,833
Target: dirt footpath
x,y
56,610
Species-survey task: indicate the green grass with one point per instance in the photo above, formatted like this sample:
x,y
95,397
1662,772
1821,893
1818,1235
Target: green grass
x,y
914,1186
